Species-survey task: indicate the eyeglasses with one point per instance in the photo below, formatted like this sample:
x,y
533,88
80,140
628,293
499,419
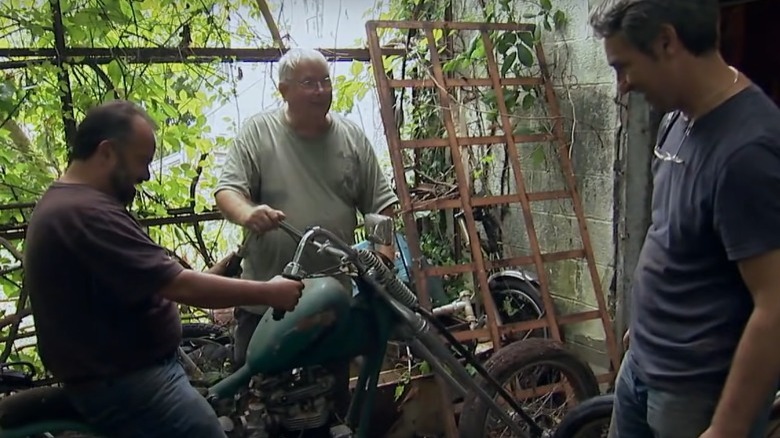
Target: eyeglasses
x,y
667,127
667,156
325,83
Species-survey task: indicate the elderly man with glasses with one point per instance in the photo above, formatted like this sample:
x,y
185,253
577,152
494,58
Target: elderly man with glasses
x,y
305,165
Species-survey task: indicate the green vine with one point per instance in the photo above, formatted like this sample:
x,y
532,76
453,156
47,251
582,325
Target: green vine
x,y
464,55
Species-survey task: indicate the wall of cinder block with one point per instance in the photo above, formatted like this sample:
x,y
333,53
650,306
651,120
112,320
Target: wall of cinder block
x,y
586,91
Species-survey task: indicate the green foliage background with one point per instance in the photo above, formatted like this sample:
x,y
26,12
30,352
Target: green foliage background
x,y
180,95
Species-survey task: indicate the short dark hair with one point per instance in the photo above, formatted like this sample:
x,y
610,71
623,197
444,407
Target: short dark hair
x,y
110,120
695,21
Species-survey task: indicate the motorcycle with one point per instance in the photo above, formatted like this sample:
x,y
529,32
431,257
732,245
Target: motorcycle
x,y
331,323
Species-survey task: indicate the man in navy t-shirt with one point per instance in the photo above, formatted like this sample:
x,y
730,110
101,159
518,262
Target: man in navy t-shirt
x,y
706,292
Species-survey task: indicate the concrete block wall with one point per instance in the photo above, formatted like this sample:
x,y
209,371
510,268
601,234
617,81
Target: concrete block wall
x,y
585,88
586,92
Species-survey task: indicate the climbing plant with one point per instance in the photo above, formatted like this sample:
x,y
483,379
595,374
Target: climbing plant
x,y
41,100
464,55
430,172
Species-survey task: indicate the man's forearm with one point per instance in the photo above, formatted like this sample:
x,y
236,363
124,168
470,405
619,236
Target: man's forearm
x,y
214,292
232,205
753,376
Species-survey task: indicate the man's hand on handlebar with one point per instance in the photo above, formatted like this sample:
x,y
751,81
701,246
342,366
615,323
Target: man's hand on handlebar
x,y
261,218
285,293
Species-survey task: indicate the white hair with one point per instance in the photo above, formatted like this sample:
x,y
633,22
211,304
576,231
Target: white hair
x,y
293,57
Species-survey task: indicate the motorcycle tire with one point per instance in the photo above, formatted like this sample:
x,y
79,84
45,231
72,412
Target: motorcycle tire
x,y
208,345
511,359
589,419
198,330
529,295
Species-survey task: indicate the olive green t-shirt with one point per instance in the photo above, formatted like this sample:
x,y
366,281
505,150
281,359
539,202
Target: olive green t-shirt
x,y
324,181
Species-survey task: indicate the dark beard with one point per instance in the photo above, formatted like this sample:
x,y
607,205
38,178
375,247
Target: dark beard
x,y
124,190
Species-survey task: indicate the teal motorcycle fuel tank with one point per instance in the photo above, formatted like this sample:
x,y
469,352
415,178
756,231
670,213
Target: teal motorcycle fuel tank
x,y
326,325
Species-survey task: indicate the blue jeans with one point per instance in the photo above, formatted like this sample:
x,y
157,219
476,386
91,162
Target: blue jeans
x,y
642,412
157,401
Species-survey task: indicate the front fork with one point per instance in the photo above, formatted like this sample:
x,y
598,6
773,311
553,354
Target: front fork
x,y
415,331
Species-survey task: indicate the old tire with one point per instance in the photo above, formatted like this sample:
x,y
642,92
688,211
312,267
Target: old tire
x,y
199,330
513,358
525,293
588,419
209,346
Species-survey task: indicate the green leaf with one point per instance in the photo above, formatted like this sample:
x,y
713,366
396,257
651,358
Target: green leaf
x,y
528,101
505,41
509,61
559,18
399,391
538,156
524,55
510,99
546,4
479,51
537,33
527,38
356,68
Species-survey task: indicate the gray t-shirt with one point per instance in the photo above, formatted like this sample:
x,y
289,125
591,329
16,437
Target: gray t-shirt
x,y
719,206
324,181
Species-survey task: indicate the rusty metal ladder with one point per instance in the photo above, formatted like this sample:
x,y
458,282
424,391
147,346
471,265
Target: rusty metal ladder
x,y
465,200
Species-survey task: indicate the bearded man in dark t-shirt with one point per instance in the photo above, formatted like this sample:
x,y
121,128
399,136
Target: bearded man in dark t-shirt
x,y
103,293
705,300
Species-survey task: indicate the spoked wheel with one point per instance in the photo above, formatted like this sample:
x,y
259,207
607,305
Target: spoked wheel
x,y
543,377
518,301
589,419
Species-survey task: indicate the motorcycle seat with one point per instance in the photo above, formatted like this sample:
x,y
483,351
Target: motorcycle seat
x,y
12,380
46,403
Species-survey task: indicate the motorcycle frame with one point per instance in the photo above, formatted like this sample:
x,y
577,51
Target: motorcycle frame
x,y
392,320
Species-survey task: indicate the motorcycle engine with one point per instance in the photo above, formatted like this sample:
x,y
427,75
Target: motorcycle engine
x,y
293,401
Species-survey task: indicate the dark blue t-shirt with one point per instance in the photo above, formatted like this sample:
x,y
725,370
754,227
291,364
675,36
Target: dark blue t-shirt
x,y
715,201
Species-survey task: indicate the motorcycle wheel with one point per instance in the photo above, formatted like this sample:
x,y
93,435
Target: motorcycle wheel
x,y
514,359
589,419
204,330
518,301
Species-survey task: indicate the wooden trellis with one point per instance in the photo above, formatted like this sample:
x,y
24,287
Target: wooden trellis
x,y
465,200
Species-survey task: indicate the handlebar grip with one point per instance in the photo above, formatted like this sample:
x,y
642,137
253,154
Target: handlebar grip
x,y
278,314
233,267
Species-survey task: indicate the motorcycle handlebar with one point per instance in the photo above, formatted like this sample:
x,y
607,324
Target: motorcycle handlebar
x,y
291,271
